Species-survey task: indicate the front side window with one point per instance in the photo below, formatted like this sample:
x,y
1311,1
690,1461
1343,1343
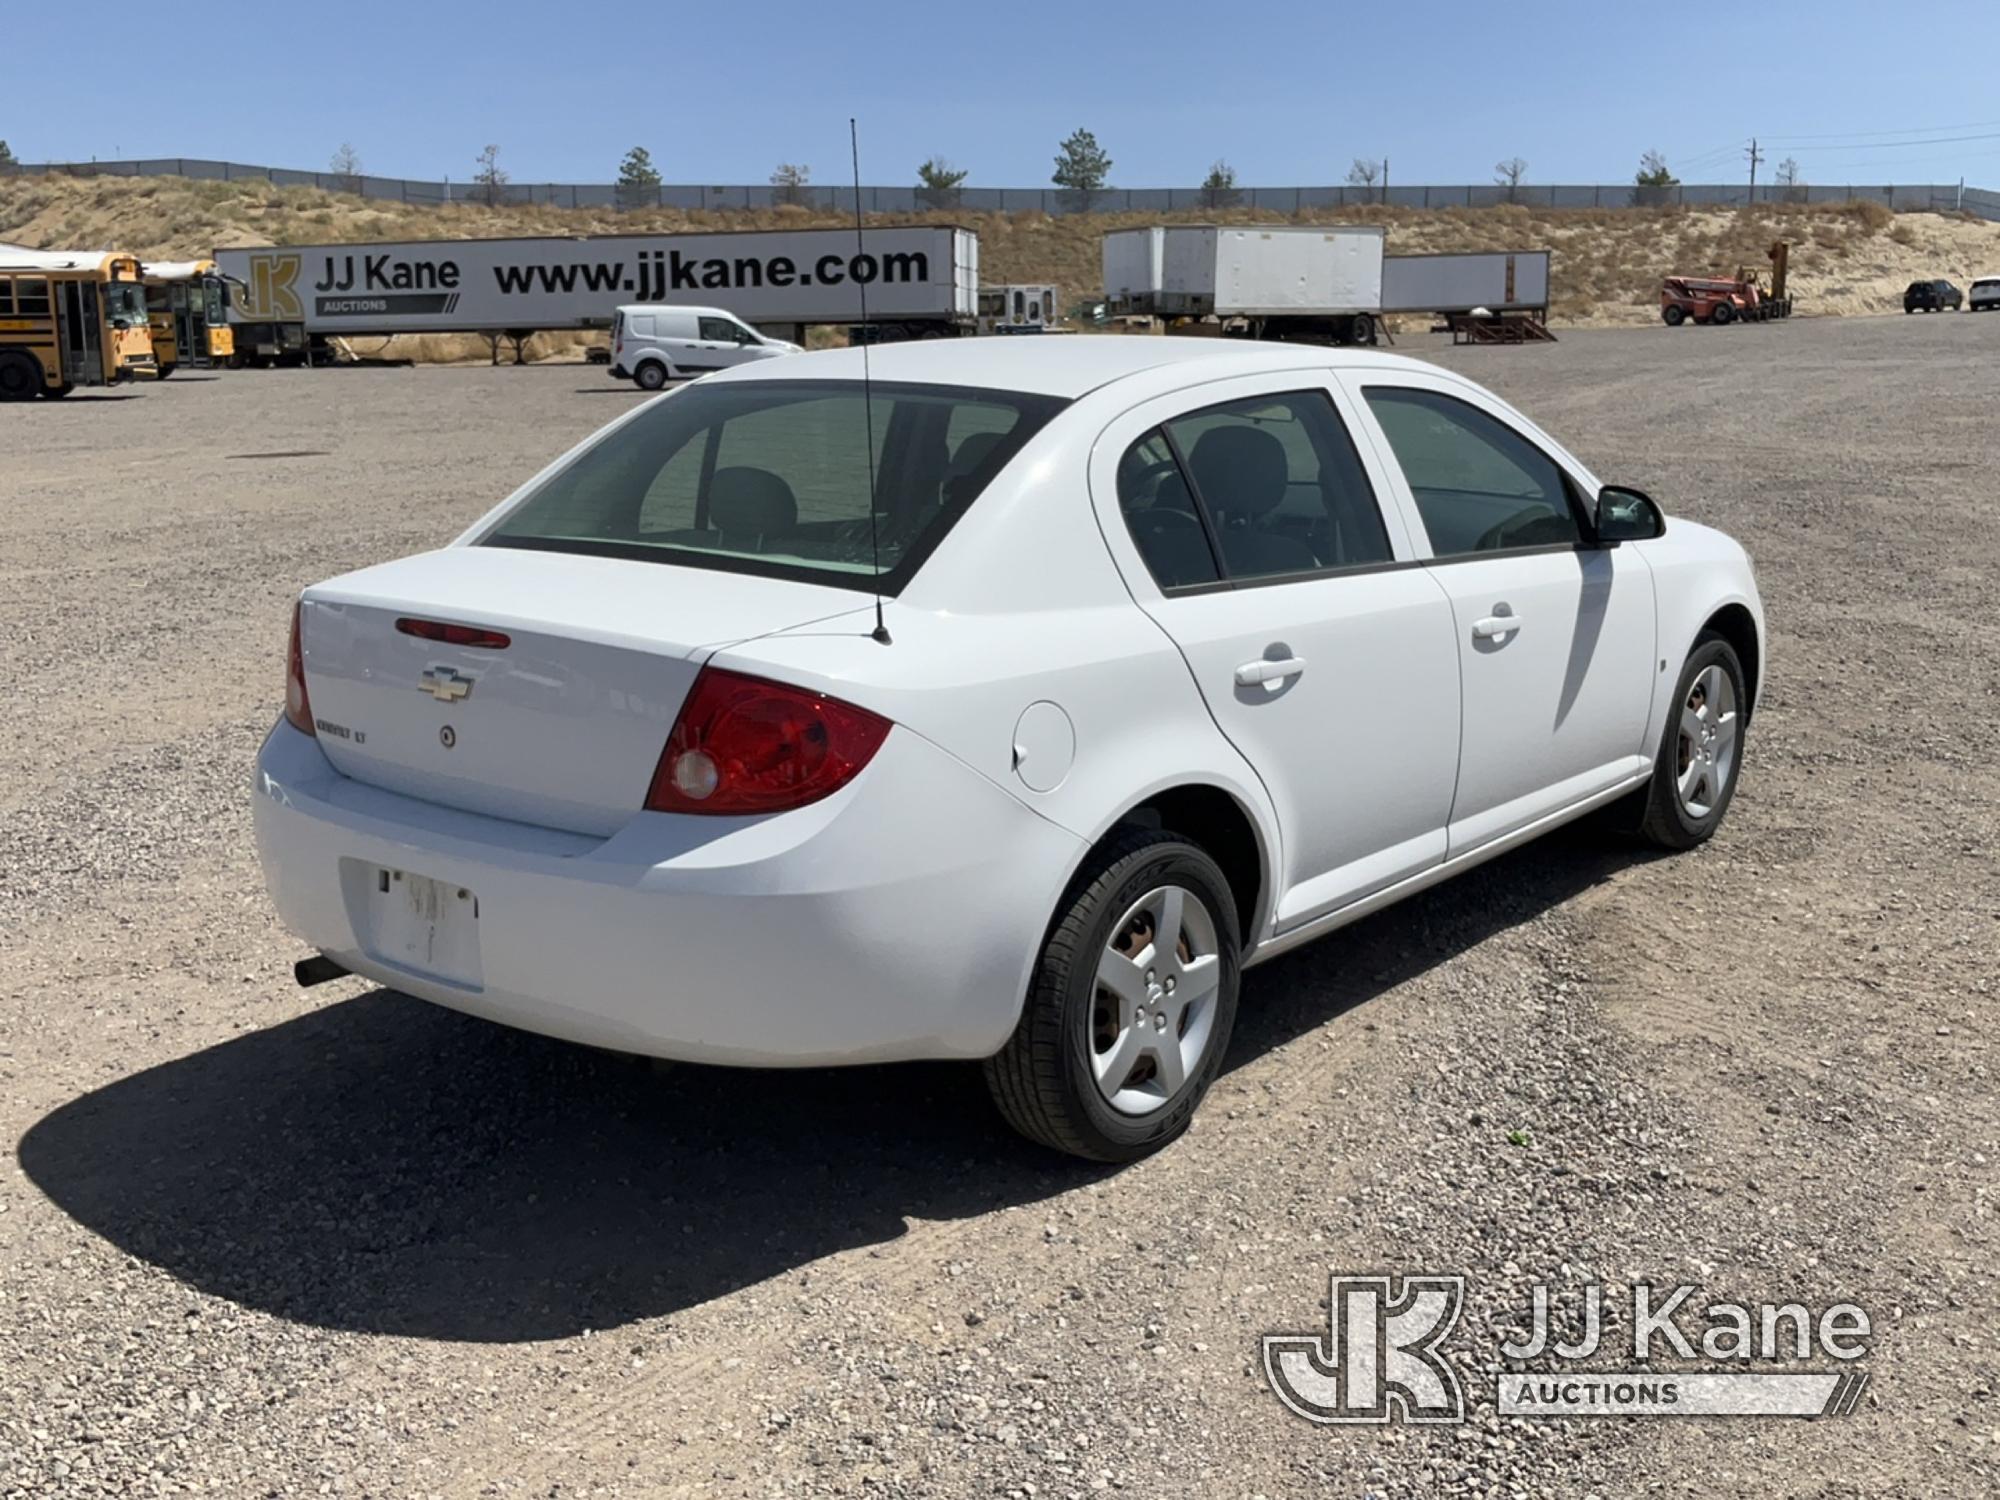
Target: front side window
x,y
1479,485
1272,485
723,331
772,477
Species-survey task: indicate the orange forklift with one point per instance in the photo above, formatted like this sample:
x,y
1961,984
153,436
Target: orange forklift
x,y
1704,299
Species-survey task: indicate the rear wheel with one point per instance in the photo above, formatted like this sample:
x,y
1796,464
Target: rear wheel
x,y
1701,752
650,376
20,376
1130,1007
1362,330
1675,315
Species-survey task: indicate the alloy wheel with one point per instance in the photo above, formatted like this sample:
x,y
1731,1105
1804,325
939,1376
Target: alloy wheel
x,y
1707,755
1153,1007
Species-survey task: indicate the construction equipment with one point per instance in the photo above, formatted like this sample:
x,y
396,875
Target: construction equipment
x,y
1720,300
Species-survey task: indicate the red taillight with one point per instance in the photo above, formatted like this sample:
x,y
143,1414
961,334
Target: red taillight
x,y
743,745
454,635
298,708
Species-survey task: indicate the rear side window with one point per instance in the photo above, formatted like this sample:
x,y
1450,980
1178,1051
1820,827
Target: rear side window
x,y
1261,488
1479,485
1160,513
31,296
772,477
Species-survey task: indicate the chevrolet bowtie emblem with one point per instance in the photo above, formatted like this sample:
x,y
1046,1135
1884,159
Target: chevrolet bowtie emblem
x,y
445,685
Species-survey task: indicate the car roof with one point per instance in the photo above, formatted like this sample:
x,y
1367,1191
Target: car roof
x,y
1066,365
680,307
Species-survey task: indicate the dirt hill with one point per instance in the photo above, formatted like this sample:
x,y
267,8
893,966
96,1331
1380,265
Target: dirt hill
x,y
1846,259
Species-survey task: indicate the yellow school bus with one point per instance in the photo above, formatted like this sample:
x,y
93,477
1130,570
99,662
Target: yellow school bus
x,y
70,318
188,304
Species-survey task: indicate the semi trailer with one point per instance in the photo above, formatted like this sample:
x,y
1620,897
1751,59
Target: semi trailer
x,y
1317,284
1498,281
919,282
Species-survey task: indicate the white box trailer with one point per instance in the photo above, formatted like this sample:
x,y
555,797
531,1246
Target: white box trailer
x,y
1133,265
1498,280
1315,282
920,281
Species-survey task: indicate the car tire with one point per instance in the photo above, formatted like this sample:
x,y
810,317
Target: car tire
x,y
1701,749
1721,313
1675,316
650,376
1081,1071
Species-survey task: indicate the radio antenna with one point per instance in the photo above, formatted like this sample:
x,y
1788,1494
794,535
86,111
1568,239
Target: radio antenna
x,y
881,631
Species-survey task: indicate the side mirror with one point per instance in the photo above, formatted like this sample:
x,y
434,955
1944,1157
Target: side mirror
x,y
1624,515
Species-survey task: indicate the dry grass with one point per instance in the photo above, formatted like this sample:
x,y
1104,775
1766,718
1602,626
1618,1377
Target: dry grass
x,y
1847,258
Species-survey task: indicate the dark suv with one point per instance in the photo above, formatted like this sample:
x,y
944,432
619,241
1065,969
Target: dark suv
x,y
1932,296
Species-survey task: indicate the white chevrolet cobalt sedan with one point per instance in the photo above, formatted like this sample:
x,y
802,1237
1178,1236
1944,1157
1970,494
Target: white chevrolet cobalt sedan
x,y
1006,705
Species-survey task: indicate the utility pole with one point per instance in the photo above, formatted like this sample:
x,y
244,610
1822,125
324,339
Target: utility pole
x,y
1755,156
1385,179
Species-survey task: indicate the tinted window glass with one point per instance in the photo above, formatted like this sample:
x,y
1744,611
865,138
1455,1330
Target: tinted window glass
x,y
1160,513
786,489
1479,485
720,331
1282,485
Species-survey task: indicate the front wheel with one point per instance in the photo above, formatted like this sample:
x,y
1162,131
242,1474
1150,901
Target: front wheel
x,y
1675,315
1701,752
20,376
1722,313
1130,1007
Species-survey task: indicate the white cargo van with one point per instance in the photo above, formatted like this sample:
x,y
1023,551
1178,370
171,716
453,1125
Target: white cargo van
x,y
652,343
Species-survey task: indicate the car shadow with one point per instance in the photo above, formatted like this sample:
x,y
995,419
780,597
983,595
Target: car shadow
x,y
383,1165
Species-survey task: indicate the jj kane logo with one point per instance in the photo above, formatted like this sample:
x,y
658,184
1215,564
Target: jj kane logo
x,y
1381,1357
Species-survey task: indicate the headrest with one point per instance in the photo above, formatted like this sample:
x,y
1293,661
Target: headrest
x,y
751,502
1240,471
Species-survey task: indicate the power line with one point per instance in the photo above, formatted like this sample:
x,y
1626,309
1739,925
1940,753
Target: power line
x,y
1858,135
1941,140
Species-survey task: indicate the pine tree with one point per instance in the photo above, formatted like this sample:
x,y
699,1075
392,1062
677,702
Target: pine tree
x,y
1081,169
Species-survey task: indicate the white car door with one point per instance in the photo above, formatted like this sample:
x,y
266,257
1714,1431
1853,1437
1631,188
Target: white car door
x,y
724,342
1247,523
1555,636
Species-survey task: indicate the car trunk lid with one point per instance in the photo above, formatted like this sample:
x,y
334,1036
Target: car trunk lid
x,y
561,726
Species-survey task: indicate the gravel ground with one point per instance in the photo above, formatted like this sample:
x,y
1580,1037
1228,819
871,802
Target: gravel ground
x,y
262,1241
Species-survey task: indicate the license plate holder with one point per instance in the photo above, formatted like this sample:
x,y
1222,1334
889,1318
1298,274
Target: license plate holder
x,y
430,927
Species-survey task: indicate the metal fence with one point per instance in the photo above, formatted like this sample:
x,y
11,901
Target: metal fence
x,y
1901,198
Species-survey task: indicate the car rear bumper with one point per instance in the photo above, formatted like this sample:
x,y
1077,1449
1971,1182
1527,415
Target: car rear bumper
x,y
897,919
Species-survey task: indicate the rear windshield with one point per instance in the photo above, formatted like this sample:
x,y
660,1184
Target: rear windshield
x,y
773,477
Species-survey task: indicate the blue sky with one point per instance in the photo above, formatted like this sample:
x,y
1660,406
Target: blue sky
x,y
1286,93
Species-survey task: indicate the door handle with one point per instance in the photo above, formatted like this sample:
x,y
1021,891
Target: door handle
x,y
1495,625
1253,672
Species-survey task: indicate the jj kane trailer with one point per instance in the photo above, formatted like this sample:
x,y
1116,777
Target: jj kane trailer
x,y
918,282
